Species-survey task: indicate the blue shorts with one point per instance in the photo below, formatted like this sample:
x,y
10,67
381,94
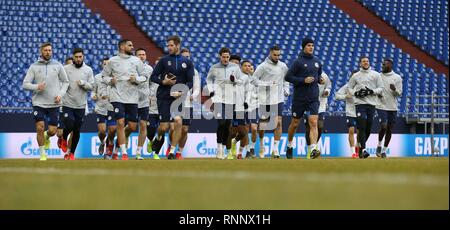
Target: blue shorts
x,y
60,119
252,117
76,115
188,116
366,112
127,111
101,119
239,118
351,122
267,111
385,116
46,114
143,113
165,115
223,111
110,119
153,120
299,108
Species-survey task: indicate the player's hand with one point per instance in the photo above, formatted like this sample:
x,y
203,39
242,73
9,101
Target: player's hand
x,y
369,91
58,99
325,93
176,94
392,86
94,97
113,81
211,94
104,97
349,96
41,86
132,79
80,82
245,105
321,80
232,78
309,80
169,80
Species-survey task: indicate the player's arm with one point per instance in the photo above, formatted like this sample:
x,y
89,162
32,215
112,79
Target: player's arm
x,y
157,73
341,94
327,84
89,84
255,79
196,86
107,74
144,72
290,75
62,75
28,81
379,85
398,87
210,80
190,75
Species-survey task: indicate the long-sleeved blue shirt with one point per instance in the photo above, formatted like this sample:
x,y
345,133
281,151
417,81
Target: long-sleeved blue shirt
x,y
305,66
180,66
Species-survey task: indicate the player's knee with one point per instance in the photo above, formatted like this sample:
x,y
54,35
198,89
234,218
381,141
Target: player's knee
x,y
40,127
313,123
351,131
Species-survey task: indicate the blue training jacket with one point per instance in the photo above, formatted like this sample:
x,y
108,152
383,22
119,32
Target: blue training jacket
x,y
180,66
305,65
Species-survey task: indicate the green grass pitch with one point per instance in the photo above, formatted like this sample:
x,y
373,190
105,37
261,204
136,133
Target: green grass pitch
x,y
327,183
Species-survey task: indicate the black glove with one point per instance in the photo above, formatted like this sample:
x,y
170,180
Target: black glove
x,y
245,105
211,94
369,91
232,78
357,93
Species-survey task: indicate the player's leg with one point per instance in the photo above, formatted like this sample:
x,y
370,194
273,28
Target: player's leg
x,y
277,111
320,124
361,117
39,118
69,124
351,123
143,119
112,127
78,122
392,116
101,128
298,109
382,118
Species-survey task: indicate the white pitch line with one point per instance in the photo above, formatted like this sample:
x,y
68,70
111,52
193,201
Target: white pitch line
x,y
314,177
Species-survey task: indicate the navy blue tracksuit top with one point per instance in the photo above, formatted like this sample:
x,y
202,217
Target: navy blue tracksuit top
x,y
304,66
180,66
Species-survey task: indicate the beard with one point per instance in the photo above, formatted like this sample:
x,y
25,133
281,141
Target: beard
x,y
128,52
78,65
47,58
366,68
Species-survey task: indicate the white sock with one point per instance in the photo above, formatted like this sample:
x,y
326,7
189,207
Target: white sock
x,y
219,148
252,144
384,149
180,149
352,149
123,148
172,149
275,145
240,150
309,148
138,150
42,150
380,143
290,144
261,142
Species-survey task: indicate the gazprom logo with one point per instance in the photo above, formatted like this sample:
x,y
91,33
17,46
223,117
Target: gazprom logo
x,y
202,148
25,148
28,150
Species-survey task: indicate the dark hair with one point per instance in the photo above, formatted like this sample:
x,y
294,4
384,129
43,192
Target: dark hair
x,y
185,50
245,61
235,57
224,50
122,42
175,39
389,60
77,50
105,59
362,57
139,49
275,47
68,59
45,44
